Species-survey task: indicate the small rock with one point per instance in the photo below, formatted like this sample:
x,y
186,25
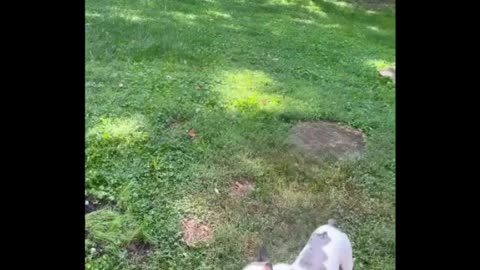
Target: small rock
x,y
388,72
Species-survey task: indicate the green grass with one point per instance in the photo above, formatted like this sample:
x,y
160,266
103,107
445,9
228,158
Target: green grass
x,y
156,69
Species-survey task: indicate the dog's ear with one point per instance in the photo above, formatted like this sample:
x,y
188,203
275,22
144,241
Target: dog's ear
x,y
262,255
332,222
268,266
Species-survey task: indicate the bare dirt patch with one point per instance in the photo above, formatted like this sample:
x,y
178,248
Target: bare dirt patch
x,y
195,232
242,187
138,249
323,140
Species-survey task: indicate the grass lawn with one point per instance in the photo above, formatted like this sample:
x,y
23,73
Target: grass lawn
x,y
186,98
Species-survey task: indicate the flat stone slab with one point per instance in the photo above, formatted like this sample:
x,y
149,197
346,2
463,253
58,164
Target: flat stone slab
x,y
323,140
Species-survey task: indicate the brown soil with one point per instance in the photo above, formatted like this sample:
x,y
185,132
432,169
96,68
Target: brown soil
x,y
241,187
194,232
139,248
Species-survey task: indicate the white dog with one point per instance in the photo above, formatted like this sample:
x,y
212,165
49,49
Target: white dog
x,y
327,249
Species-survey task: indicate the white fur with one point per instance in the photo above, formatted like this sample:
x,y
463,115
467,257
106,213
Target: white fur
x,y
338,251
282,266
